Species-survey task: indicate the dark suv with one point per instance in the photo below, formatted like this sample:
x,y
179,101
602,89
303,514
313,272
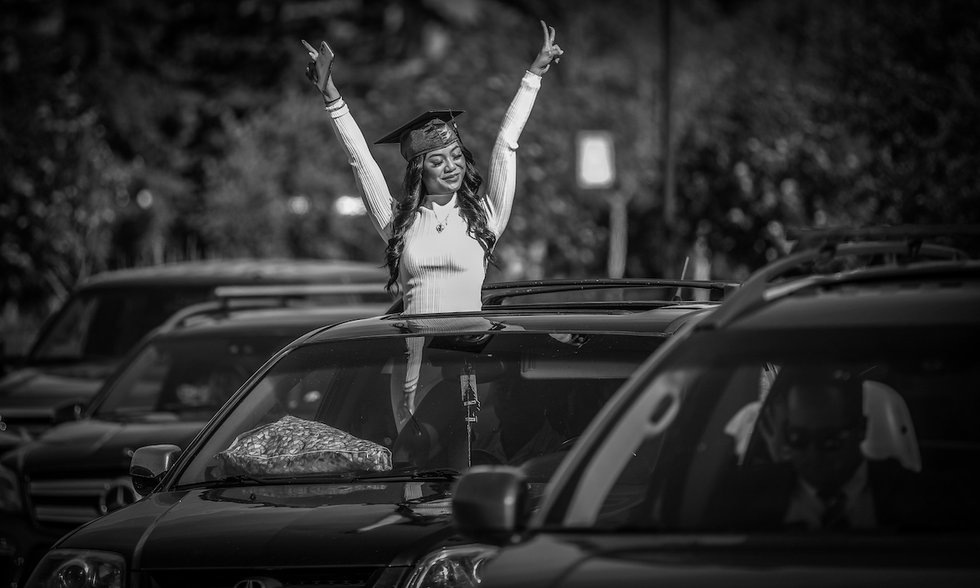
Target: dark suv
x,y
80,345
163,392
817,429
335,463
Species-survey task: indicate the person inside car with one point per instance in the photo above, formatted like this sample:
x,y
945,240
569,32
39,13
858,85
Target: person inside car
x,y
819,476
823,424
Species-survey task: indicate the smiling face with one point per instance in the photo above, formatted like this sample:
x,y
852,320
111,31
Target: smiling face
x,y
443,169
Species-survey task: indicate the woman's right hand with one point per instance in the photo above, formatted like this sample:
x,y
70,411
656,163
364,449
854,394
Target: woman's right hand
x,y
318,70
550,52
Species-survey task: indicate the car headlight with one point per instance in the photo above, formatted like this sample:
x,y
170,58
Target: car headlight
x,y
76,568
9,491
457,567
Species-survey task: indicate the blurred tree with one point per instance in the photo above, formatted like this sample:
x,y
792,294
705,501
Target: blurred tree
x,y
785,114
838,114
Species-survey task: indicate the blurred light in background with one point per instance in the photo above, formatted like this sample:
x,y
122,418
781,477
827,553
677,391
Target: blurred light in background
x,y
349,206
596,159
298,205
144,199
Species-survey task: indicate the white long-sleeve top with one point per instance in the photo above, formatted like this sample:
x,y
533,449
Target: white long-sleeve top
x,y
440,271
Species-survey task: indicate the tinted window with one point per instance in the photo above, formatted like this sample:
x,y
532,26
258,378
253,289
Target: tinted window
x,y
184,378
106,323
853,431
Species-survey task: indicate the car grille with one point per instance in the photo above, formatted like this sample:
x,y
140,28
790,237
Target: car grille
x,y
312,577
75,501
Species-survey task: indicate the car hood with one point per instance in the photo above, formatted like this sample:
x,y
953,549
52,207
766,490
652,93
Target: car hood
x,y
47,387
642,560
264,527
95,445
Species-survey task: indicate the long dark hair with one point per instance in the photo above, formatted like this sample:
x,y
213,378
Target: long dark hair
x,y
467,198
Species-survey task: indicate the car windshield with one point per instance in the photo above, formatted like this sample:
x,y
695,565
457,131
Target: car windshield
x,y
849,430
340,408
184,378
104,323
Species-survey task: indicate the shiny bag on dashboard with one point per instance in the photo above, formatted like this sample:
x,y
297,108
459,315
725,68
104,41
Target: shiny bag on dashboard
x,y
293,445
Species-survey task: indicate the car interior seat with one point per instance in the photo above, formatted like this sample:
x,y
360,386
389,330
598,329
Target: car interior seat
x,y
890,433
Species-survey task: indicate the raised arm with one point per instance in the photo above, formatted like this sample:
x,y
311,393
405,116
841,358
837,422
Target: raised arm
x,y
367,174
502,176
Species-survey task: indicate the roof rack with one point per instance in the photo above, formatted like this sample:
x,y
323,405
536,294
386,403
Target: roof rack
x,y
914,235
298,291
498,293
228,298
825,265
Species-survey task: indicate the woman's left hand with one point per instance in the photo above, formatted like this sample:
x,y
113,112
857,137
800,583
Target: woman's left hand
x,y
318,70
550,52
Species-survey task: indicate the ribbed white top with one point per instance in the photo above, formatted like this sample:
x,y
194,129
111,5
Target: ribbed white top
x,y
441,271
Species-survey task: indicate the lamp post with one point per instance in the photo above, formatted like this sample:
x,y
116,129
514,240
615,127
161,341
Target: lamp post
x,y
596,170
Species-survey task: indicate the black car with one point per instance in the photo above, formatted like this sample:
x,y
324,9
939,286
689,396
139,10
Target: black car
x,y
814,430
163,392
334,465
107,314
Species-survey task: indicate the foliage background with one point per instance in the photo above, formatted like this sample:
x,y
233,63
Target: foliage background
x,y
136,131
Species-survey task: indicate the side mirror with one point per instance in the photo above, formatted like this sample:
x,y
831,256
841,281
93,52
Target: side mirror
x,y
490,504
149,464
68,412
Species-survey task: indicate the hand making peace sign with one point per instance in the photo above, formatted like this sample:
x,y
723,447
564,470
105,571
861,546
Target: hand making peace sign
x,y
550,52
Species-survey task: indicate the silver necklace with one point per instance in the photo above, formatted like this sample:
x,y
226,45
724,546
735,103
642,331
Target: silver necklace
x,y
441,224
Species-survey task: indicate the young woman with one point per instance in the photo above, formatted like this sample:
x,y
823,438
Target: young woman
x,y
441,231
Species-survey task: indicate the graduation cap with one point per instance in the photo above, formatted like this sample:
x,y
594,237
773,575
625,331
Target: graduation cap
x,y
426,132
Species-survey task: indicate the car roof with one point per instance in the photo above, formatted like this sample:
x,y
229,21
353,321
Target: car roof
x,y
655,322
241,271
259,321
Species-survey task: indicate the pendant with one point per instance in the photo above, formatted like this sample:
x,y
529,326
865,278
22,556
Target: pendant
x,y
440,227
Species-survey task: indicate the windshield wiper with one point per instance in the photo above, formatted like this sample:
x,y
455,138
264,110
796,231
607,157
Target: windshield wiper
x,y
228,482
410,473
436,474
250,480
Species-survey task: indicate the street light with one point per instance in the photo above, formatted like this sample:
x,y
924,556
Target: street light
x,y
596,160
596,170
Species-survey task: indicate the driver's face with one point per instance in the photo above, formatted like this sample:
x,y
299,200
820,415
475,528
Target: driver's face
x,y
824,434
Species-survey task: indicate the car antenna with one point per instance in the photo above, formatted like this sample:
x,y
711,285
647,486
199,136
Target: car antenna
x,y
677,293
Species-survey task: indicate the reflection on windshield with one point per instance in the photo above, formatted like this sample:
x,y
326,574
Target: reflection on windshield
x,y
513,398
837,432
184,378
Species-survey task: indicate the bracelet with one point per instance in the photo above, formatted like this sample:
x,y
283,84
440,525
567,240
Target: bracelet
x,y
327,103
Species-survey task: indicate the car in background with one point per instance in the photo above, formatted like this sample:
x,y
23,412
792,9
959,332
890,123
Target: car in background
x,y
107,314
335,463
163,392
815,429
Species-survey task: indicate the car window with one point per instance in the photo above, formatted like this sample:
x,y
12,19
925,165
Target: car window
x,y
184,378
869,430
106,323
515,398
